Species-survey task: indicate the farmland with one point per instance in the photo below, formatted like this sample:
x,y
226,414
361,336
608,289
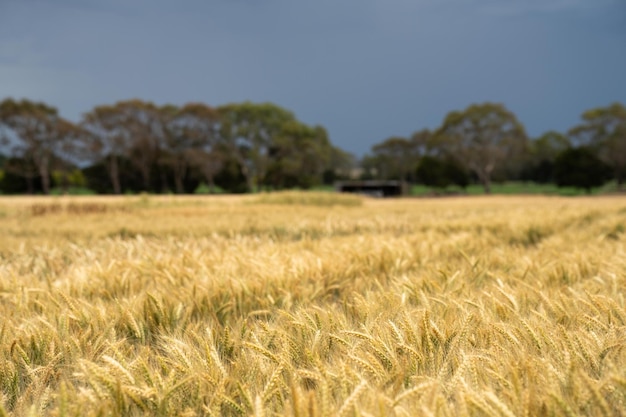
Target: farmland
x,y
312,304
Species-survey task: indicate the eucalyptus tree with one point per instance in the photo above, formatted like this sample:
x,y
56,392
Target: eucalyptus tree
x,y
582,168
190,140
544,151
481,138
341,165
299,155
106,130
144,122
604,130
36,137
247,131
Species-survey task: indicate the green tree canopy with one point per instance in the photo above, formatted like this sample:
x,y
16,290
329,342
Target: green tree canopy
x,y
549,145
581,168
40,137
397,158
539,165
604,130
299,155
248,130
481,137
110,139
190,140
341,165
441,172
131,129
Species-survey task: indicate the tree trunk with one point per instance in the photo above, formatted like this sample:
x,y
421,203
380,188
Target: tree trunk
x,y
250,183
484,176
179,176
246,173
114,175
45,177
29,185
178,183
209,179
164,188
208,170
45,184
487,186
485,180
259,169
145,175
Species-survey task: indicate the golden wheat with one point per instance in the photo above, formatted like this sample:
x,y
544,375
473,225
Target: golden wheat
x,y
307,304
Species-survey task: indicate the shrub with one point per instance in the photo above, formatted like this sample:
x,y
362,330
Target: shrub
x,y
581,168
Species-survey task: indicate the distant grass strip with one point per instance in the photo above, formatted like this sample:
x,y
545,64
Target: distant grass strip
x,y
309,198
512,188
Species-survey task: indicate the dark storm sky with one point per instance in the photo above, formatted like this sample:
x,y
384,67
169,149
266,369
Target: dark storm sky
x,y
365,69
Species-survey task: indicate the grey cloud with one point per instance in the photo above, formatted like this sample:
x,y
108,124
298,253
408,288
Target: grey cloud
x,y
366,69
512,8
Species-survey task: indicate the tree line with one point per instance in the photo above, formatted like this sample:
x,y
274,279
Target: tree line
x,y
136,145
486,142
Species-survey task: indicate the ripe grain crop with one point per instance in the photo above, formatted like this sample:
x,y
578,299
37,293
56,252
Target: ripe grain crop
x,y
301,305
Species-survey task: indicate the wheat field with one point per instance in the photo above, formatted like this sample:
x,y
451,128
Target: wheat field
x,y
303,304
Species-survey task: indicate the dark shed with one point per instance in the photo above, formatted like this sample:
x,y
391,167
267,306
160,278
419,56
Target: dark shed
x,y
374,188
